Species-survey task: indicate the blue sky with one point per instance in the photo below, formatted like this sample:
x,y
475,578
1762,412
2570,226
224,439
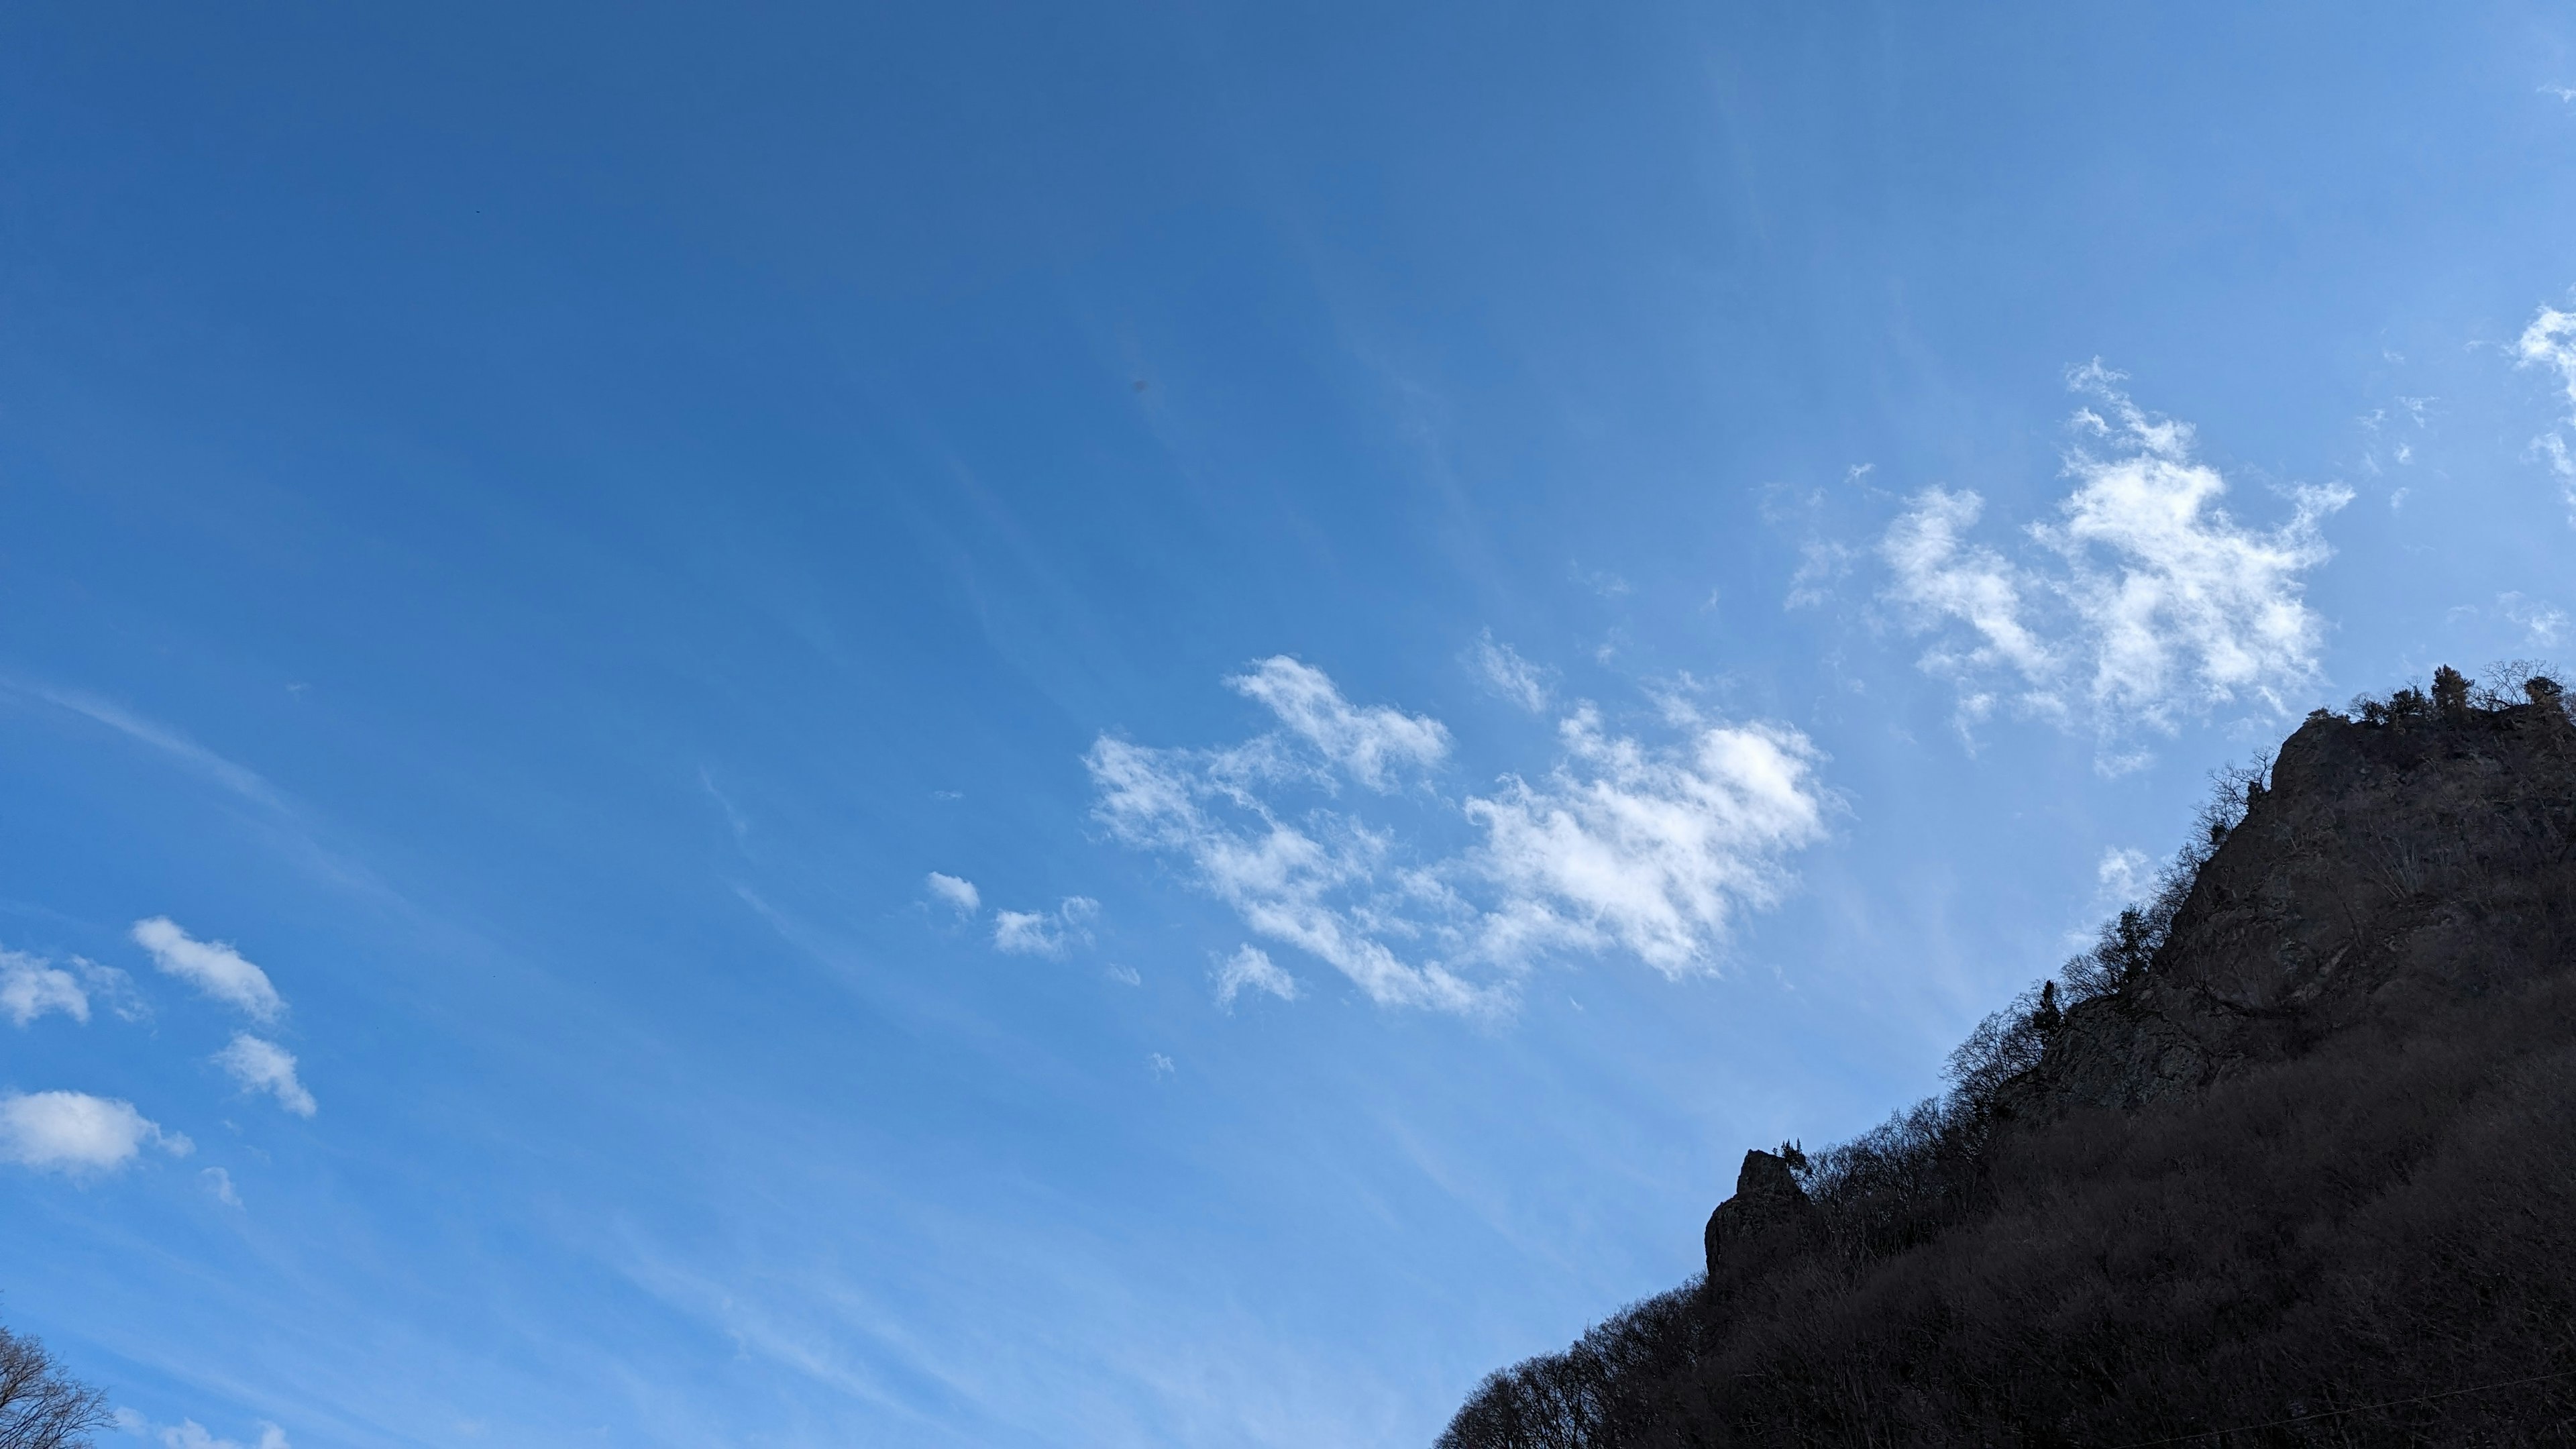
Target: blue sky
x,y
986,726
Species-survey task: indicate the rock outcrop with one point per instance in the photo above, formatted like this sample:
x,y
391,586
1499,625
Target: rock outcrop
x,y
1767,1195
2292,1152
2390,865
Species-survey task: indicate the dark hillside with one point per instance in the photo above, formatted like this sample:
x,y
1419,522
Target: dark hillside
x,y
2290,1154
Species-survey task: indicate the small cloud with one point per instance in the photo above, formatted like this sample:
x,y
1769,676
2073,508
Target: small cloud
x,y
1511,676
947,794
2564,94
2397,499
213,967
76,1132
2545,624
1124,975
112,989
264,1066
1044,933
734,818
2124,874
1364,742
1603,582
1821,564
29,987
1251,969
2550,342
1158,1064
220,1183
189,1434
960,894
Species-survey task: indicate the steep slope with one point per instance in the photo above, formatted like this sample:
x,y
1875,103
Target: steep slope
x,y
2294,1147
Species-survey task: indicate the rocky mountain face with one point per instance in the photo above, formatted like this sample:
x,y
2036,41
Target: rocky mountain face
x,y
2294,1148
2390,866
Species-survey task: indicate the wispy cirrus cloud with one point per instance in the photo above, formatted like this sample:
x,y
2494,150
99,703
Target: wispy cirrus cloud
x,y
1617,845
1509,675
76,1132
2140,603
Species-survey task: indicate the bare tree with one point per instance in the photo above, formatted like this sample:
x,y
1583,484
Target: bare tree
x,y
41,1407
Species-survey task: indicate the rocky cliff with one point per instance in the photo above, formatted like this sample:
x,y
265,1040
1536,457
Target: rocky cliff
x,y
2391,865
2294,1148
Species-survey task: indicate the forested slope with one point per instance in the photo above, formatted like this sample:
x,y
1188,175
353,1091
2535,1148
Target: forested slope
x,y
2291,1154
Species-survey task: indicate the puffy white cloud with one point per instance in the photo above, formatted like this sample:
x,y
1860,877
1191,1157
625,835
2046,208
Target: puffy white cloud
x,y
1044,933
76,1132
264,1066
1618,846
30,987
1511,676
1251,969
1651,850
2141,601
959,894
220,1183
212,967
1365,742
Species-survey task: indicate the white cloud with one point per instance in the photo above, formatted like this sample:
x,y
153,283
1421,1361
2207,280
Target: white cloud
x,y
76,1132
29,987
1362,741
2124,874
220,1183
1251,969
1939,580
1158,1064
1618,846
233,777
2143,600
1511,676
959,894
189,1434
213,967
264,1066
1283,882
2544,624
1044,933
1651,850
1124,975
2550,342
1822,564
